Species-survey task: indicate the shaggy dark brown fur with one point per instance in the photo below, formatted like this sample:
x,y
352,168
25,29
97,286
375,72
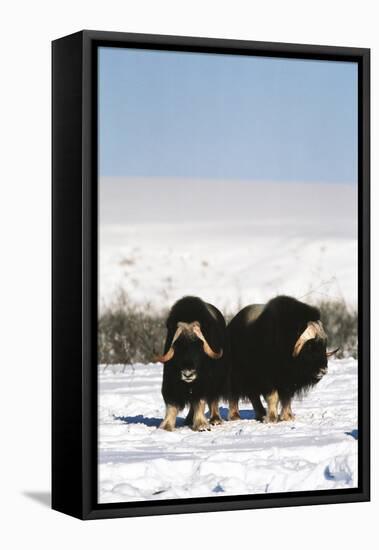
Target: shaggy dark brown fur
x,y
191,377
262,341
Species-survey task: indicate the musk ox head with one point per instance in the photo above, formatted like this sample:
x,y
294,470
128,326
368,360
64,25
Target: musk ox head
x,y
310,353
188,350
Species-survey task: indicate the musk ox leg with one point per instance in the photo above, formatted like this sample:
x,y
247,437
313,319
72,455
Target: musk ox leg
x,y
200,423
234,413
189,418
286,412
260,411
214,412
272,407
170,418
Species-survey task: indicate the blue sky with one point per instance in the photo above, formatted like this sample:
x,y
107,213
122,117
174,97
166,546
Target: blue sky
x,y
168,114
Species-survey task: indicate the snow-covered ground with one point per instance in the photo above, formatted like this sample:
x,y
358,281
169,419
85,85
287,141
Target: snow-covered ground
x,y
138,461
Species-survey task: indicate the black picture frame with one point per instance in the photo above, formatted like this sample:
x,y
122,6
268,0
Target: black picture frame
x,y
74,273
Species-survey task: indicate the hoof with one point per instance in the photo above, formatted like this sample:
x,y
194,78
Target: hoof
x,y
215,421
166,427
203,427
270,419
287,417
234,416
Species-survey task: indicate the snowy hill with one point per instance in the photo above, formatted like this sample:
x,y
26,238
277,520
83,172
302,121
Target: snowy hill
x,y
232,243
160,264
137,461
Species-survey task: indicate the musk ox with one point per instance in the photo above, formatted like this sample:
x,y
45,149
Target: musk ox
x,y
277,350
195,363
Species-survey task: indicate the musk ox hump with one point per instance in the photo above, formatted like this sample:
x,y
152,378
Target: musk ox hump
x,y
212,311
254,312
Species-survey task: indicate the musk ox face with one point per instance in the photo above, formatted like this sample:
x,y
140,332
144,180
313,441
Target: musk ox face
x,y
310,353
312,361
187,352
188,357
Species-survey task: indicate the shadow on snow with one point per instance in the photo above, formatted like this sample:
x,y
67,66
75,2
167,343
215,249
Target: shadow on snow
x,y
353,433
152,422
147,421
245,414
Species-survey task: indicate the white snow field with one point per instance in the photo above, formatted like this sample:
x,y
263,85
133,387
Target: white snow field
x,y
138,461
228,270
232,243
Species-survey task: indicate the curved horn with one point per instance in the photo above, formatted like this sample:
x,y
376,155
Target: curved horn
x,y
206,347
314,330
166,357
330,353
170,352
